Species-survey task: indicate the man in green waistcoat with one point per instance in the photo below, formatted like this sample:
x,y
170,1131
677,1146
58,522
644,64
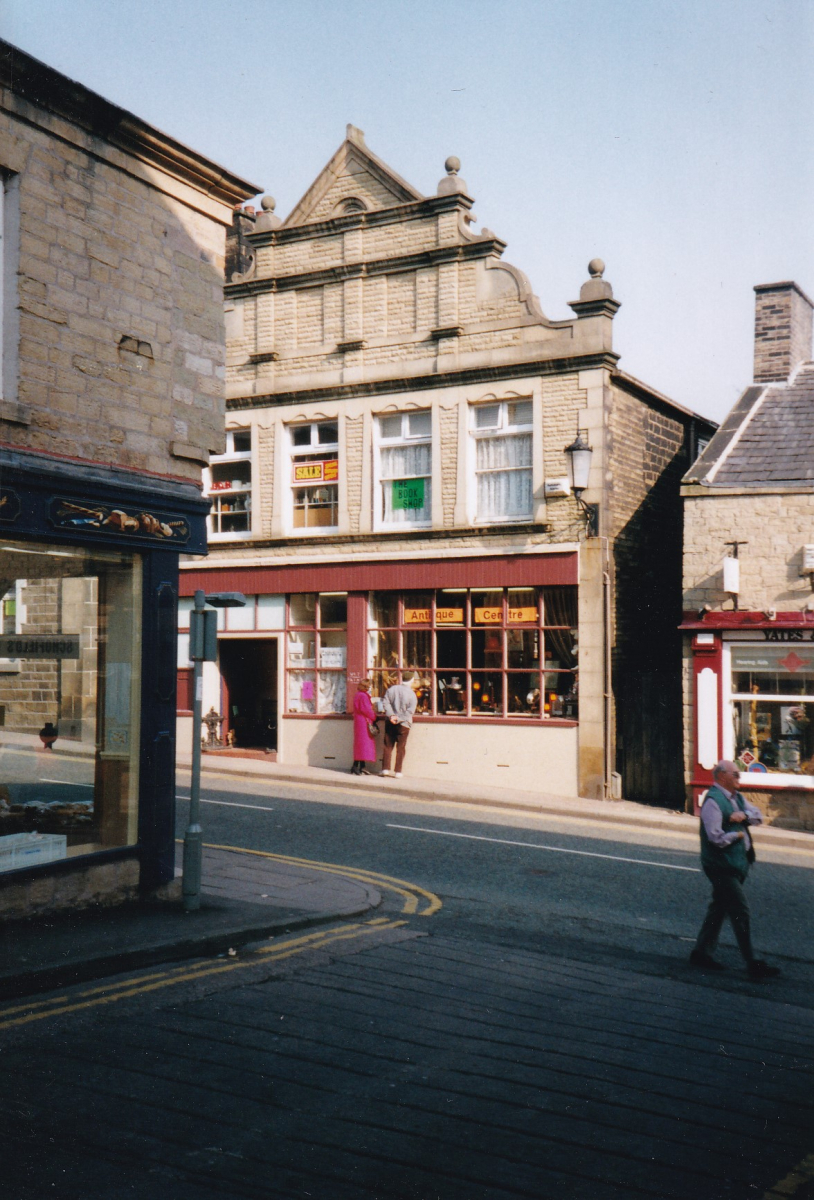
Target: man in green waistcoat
x,y
726,855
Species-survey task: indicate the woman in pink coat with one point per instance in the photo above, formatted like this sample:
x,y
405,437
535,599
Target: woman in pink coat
x,y
364,745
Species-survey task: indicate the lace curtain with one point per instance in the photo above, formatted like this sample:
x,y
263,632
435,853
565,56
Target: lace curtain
x,y
504,477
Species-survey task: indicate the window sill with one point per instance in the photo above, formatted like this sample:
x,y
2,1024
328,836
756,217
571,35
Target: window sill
x,y
528,722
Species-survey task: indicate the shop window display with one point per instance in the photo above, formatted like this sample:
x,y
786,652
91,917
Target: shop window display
x,y
70,677
506,652
317,642
230,486
315,475
773,708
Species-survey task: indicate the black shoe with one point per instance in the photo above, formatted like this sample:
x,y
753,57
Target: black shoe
x,y
699,959
758,969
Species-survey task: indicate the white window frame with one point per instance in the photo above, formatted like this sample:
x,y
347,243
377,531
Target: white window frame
x,y
242,493
502,430
772,779
404,439
311,452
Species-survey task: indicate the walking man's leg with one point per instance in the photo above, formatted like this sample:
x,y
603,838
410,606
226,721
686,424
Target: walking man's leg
x,y
737,909
707,940
402,733
390,732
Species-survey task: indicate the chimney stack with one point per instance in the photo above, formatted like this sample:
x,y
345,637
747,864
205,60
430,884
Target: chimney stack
x,y
783,329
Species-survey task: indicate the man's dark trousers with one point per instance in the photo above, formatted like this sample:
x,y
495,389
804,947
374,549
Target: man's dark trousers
x,y
394,735
728,900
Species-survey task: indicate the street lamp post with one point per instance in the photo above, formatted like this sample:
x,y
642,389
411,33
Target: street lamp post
x,y
203,647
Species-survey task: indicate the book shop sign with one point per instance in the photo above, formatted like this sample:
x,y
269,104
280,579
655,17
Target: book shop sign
x,y
408,493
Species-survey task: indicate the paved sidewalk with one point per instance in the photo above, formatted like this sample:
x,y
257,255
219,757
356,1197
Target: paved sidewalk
x,y
245,898
616,812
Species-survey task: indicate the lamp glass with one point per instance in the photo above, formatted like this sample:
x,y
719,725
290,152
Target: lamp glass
x,y
579,463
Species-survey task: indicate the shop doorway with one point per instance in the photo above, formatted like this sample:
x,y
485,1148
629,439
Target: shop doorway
x,y
248,667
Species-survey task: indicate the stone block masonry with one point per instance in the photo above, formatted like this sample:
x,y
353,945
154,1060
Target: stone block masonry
x,y
776,525
783,330
118,279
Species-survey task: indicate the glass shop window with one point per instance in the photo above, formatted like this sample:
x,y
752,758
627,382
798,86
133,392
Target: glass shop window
x,y
317,651
501,652
69,676
229,487
772,695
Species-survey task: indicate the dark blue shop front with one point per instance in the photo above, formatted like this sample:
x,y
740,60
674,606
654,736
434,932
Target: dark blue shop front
x,y
88,591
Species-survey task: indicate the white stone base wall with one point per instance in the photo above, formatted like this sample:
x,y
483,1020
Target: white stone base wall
x,y
533,759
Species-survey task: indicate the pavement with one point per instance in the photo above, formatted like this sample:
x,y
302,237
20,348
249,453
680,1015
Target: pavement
x,y
249,897
245,898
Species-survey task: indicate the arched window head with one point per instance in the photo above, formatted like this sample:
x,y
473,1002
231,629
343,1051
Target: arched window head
x,y
352,205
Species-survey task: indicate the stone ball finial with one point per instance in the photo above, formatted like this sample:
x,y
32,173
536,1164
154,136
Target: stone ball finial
x,y
452,183
596,268
267,219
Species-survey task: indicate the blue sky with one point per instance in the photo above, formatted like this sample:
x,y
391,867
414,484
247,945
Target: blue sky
x,y
673,140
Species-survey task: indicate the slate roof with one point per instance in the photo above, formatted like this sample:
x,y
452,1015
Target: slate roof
x,y
767,438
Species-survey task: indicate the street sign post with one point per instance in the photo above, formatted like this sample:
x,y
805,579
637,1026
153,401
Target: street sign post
x,y
203,647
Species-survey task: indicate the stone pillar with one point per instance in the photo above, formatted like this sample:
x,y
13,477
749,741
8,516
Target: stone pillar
x,y
592,668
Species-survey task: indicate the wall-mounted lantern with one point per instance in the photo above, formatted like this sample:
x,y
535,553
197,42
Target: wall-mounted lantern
x,y
579,455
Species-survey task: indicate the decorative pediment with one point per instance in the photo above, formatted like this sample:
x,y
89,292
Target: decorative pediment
x,y
354,181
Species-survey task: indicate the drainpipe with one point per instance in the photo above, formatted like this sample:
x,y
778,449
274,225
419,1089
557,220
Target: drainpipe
x,y
606,694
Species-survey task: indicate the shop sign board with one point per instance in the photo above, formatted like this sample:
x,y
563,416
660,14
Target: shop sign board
x,y
523,616
449,616
489,616
408,493
317,472
417,616
160,526
49,645
9,505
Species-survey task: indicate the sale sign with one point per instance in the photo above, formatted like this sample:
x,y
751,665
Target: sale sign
x,y
326,471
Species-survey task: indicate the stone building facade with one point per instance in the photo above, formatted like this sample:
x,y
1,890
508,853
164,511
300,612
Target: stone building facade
x,y
395,498
112,346
749,576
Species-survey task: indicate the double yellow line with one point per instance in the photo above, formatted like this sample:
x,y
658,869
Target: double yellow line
x,y
110,993
412,895
416,901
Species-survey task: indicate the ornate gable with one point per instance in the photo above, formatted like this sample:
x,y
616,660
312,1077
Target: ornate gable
x,y
355,180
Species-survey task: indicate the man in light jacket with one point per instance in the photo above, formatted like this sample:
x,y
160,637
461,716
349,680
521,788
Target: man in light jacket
x,y
726,856
399,705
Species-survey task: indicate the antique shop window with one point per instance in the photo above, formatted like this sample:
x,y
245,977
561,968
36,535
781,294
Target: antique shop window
x,y
405,468
502,652
317,645
315,475
230,487
503,447
72,628
772,696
